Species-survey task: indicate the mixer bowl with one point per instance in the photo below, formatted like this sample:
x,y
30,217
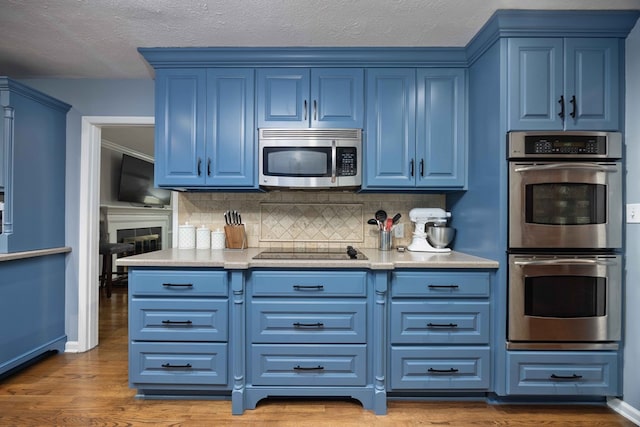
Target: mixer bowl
x,y
440,237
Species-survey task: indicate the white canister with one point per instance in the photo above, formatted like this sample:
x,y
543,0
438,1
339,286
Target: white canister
x,y
186,236
217,239
203,236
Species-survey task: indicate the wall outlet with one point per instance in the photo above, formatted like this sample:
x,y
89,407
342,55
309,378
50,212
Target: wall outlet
x,y
398,231
633,212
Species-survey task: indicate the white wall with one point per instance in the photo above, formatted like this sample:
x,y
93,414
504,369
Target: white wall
x,y
632,298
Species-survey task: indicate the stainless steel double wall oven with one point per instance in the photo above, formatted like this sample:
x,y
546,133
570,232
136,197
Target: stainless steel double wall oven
x,y
565,230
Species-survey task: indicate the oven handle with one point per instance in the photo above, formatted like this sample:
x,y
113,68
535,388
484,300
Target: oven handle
x,y
549,166
565,262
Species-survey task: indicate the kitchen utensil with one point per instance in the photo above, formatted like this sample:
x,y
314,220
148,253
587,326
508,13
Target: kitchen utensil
x,y
389,224
381,216
396,218
373,222
226,218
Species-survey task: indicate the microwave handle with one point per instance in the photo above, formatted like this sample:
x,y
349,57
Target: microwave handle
x,y
551,166
334,161
565,262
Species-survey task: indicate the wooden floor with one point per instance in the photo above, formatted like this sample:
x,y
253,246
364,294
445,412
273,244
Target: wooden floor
x,y
90,389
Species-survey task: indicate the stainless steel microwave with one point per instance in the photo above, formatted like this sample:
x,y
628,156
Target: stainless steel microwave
x,y
310,158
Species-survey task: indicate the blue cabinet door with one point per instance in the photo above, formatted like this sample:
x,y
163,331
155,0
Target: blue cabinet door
x,y
563,84
337,98
535,70
441,128
283,97
230,134
390,128
180,112
316,97
205,128
592,84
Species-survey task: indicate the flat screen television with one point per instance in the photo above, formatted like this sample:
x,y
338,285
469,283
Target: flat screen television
x,y
136,183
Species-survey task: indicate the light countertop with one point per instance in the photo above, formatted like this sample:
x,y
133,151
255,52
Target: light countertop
x,y
32,254
235,259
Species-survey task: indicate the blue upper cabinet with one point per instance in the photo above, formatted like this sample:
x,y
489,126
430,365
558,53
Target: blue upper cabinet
x,y
316,97
563,83
416,128
205,128
441,128
33,141
390,131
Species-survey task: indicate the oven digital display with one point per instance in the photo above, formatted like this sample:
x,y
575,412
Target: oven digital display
x,y
564,144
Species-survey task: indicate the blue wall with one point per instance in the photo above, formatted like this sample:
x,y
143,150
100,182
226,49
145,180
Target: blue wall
x,y
88,98
631,379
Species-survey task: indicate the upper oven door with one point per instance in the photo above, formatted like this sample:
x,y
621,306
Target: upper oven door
x,y
565,205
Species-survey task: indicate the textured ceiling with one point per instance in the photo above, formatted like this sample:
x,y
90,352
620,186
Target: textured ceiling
x,y
99,38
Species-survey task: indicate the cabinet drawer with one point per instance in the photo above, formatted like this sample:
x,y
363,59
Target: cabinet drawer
x,y
181,319
446,285
562,373
309,283
447,368
308,365
439,322
178,283
178,363
296,321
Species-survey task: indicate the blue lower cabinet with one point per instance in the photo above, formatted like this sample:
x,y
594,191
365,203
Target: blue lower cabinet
x,y
308,365
32,305
316,333
562,373
440,368
178,363
309,321
179,331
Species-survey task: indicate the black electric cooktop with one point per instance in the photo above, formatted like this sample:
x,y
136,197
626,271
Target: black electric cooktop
x,y
348,253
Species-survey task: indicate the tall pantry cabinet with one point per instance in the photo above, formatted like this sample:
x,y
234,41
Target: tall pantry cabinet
x,y
32,237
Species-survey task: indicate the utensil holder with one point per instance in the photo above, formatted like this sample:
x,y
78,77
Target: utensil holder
x,y
385,240
236,236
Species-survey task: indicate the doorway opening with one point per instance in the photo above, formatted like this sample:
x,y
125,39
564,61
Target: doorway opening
x,y
89,209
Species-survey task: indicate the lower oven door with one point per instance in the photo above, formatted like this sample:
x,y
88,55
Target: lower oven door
x,y
564,299
573,205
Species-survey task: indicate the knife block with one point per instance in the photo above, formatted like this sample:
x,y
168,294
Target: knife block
x,y
236,236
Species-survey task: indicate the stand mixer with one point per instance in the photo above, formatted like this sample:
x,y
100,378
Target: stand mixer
x,y
421,217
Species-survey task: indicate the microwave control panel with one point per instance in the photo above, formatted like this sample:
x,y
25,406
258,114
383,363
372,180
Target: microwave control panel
x,y
347,163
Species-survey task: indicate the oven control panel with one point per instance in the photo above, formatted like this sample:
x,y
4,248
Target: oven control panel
x,y
565,144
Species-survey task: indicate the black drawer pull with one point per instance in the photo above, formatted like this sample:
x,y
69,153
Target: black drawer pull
x,y
442,325
443,371
443,286
313,368
309,325
565,377
170,366
308,287
178,285
177,322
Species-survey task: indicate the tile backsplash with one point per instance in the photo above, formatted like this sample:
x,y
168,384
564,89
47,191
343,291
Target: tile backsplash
x,y
305,219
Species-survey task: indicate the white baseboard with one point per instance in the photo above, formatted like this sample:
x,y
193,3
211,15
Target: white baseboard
x,y
626,410
72,347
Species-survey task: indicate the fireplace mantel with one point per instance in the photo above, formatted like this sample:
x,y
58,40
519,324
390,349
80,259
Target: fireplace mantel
x,y
127,217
